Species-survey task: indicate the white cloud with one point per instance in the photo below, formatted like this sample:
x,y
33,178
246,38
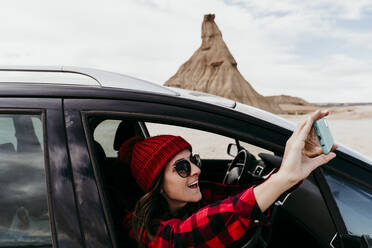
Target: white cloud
x,y
150,39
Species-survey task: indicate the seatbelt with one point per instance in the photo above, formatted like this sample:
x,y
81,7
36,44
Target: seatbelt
x,y
262,236
253,242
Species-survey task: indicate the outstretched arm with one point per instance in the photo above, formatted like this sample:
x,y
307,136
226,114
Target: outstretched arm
x,y
295,166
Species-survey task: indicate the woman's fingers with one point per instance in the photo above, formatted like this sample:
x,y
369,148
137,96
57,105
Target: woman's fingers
x,y
334,147
312,152
312,146
321,159
304,135
303,153
309,123
299,127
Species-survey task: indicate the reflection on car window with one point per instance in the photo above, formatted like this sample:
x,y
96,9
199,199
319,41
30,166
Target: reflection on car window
x,y
104,134
24,218
354,204
7,133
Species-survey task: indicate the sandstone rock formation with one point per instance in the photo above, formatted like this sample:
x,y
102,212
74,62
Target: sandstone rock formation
x,y
212,69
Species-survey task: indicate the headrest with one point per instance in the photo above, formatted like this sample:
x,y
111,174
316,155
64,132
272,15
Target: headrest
x,y
126,130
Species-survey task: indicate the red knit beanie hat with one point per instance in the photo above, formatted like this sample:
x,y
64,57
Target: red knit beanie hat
x,y
126,149
149,157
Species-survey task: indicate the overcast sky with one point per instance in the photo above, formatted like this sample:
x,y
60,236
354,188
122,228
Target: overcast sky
x,y
320,50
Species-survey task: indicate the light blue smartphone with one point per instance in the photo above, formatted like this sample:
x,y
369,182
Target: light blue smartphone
x,y
324,135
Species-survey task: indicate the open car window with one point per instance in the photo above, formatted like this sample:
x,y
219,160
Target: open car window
x,y
122,192
209,145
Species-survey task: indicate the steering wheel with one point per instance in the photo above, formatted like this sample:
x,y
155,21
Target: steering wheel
x,y
236,168
245,166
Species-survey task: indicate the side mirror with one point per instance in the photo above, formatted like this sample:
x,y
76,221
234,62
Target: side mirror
x,y
232,150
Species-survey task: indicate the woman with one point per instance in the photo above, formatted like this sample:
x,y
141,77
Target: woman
x,y
178,211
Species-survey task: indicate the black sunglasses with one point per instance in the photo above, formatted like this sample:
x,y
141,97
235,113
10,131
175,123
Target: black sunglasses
x,y
183,166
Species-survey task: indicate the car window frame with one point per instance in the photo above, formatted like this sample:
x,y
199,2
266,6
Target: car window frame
x,y
137,110
119,109
105,110
85,176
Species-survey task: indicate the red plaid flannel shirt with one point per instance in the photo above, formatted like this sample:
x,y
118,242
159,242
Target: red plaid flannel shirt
x,y
223,220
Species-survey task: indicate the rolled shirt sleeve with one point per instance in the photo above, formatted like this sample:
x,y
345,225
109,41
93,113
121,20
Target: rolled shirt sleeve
x,y
215,225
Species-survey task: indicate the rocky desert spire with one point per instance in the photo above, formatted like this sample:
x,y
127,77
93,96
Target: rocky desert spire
x,y
212,69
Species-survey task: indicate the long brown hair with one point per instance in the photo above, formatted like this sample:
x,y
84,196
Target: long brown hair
x,y
148,209
153,207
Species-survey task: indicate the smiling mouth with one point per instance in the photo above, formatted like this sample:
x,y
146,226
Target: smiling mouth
x,y
194,185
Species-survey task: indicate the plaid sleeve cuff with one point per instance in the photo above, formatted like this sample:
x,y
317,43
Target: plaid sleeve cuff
x,y
248,208
216,225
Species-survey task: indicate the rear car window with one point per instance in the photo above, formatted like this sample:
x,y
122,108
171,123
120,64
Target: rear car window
x,y
24,216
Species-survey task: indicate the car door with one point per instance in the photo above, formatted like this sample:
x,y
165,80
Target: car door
x,y
87,175
160,109
37,199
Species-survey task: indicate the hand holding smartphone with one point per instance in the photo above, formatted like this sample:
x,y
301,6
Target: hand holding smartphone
x,y
324,135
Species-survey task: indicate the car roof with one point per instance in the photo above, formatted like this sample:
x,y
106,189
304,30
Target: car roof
x,y
95,78
62,75
77,76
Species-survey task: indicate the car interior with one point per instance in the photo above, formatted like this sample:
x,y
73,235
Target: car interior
x,y
239,167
